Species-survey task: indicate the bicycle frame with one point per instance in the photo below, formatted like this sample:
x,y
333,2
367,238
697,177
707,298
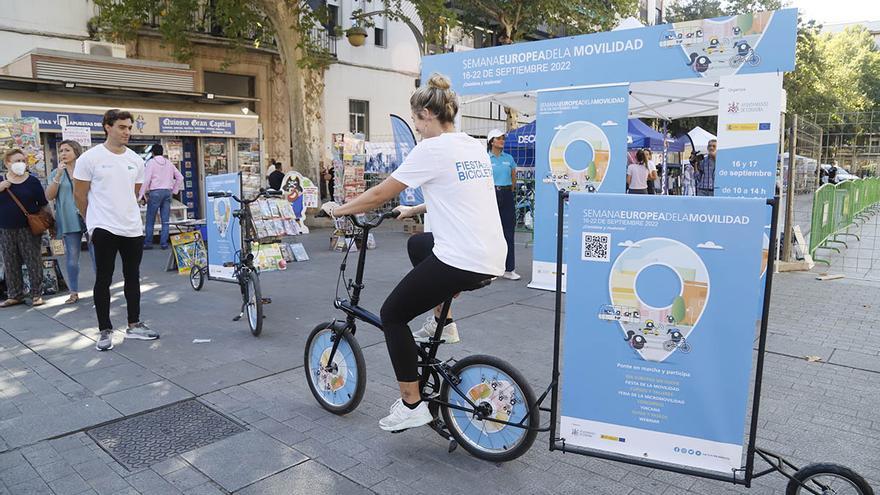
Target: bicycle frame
x,y
428,362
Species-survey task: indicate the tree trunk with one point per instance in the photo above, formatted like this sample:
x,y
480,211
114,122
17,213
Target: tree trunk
x,y
306,115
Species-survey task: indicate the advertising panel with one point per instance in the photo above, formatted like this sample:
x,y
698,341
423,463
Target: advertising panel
x,y
660,327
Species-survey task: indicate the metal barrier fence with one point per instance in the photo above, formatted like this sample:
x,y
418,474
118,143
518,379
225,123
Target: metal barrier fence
x,y
840,208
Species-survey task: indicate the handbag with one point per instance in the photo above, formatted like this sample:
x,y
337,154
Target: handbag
x,y
38,222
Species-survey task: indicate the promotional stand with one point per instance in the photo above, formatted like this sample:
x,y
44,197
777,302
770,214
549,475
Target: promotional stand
x,y
809,479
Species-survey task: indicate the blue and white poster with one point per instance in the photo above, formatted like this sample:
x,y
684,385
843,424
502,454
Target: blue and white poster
x,y
224,234
660,326
749,109
581,146
744,44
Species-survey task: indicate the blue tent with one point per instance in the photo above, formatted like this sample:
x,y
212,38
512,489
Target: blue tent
x,y
520,144
641,135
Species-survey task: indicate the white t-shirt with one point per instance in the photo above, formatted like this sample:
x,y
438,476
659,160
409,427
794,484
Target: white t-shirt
x,y
638,176
112,202
455,175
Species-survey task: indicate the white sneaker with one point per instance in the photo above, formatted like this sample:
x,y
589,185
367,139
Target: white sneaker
x,y
450,331
511,276
403,418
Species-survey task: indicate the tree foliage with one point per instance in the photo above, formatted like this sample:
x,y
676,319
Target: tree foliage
x,y
516,19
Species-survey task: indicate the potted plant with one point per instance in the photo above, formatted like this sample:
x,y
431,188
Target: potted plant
x,y
356,35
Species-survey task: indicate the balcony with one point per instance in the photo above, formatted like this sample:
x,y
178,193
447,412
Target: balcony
x,y
323,42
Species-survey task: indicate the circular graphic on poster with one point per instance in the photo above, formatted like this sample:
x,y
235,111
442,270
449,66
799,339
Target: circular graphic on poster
x,y
222,215
579,156
659,288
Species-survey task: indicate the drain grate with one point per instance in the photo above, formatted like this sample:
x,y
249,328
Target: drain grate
x,y
149,438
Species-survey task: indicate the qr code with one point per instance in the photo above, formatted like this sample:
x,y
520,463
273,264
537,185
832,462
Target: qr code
x,y
596,247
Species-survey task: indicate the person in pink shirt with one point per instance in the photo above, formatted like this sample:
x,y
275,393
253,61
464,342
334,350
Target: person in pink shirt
x,y
161,181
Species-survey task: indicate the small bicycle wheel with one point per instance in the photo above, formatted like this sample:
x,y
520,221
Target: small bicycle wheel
x,y
254,306
684,347
500,392
754,60
669,345
196,277
828,479
340,386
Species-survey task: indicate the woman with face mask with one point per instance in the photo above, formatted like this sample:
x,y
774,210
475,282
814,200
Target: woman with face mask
x,y
19,245
68,223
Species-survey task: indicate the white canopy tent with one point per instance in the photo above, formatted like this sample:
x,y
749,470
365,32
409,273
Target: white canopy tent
x,y
668,100
700,138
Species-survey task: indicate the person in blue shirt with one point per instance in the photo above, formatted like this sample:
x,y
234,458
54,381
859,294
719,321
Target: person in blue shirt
x,y
504,174
704,173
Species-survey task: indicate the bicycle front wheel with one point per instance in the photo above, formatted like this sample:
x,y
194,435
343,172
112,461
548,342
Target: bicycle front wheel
x,y
196,277
253,307
500,392
338,386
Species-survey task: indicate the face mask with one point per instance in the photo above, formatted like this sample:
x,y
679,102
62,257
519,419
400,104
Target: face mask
x,y
18,168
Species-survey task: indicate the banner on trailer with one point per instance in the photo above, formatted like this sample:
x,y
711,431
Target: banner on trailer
x,y
224,234
664,304
580,146
749,109
744,44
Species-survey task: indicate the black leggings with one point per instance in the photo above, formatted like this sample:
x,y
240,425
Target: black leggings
x,y
428,284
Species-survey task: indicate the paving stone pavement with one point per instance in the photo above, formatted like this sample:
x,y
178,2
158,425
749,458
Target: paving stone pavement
x,y
54,385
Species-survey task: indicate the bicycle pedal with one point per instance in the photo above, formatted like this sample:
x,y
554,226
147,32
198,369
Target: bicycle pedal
x,y
267,300
399,431
237,318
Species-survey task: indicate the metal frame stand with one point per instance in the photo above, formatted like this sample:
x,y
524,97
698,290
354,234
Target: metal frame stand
x,y
742,476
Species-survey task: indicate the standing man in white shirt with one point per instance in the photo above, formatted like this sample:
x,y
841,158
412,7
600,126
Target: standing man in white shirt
x,y
108,179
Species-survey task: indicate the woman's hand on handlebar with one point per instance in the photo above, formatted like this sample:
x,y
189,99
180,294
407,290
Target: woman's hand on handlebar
x,y
329,207
406,211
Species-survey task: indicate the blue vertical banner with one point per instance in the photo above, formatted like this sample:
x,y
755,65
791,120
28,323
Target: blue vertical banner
x,y
404,142
657,348
749,109
224,234
580,146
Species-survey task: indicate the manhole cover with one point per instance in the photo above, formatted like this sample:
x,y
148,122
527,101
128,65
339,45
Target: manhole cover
x,y
144,440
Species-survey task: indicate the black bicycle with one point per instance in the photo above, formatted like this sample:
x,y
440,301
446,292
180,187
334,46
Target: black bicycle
x,y
245,273
480,402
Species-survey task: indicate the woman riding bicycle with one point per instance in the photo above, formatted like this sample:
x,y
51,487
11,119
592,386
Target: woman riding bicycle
x,y
465,248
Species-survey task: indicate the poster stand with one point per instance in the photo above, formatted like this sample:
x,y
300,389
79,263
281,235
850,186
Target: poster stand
x,y
799,482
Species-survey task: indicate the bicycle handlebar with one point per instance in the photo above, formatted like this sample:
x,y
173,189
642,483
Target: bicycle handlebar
x,y
372,224
264,193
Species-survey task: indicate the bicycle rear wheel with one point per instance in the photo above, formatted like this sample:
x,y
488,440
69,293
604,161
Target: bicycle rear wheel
x,y
500,392
828,479
253,307
339,387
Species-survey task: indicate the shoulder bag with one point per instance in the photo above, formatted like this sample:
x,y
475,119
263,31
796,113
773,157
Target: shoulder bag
x,y
38,222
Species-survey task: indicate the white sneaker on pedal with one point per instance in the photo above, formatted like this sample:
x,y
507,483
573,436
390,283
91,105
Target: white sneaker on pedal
x,y
511,276
450,331
403,418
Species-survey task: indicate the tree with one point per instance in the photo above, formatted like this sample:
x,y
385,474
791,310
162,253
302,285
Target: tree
x,y
678,310
519,18
244,22
689,10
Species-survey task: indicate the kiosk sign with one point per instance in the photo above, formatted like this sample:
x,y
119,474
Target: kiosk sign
x,y
214,127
